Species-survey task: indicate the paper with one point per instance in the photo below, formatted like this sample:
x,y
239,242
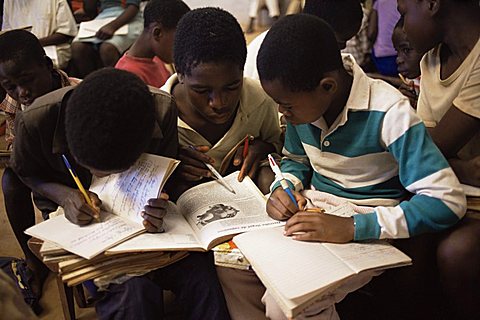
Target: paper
x,y
88,29
85,241
127,193
51,52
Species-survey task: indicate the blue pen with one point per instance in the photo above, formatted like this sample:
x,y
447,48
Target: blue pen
x,y
283,182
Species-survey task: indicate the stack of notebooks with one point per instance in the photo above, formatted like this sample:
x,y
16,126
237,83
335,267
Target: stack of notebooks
x,y
74,269
118,244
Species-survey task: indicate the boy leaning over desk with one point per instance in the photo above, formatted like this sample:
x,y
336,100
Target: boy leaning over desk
x,y
102,126
354,138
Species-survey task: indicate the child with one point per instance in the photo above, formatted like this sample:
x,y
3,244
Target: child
x,y
102,126
382,19
217,107
408,62
51,21
26,73
344,16
154,47
449,104
104,50
254,7
354,138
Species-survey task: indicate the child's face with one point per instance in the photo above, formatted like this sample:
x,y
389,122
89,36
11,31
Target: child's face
x,y
298,107
25,82
408,59
213,90
418,24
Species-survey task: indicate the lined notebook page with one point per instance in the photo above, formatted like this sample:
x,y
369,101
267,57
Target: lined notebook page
x,y
294,268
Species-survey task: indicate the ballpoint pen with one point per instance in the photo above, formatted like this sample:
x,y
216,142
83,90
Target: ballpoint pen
x,y
279,176
217,175
80,186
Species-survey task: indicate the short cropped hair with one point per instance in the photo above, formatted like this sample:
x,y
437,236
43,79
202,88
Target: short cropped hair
x,y
109,120
297,51
165,12
208,35
21,46
344,16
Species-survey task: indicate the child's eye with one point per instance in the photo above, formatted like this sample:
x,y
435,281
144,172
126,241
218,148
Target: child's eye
x,y
200,91
233,88
406,50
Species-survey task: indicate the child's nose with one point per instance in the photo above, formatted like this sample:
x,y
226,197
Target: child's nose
x,y
216,100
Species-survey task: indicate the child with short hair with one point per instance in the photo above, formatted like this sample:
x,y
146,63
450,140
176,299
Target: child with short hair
x,y
408,62
154,47
26,73
353,138
102,126
105,48
217,106
449,105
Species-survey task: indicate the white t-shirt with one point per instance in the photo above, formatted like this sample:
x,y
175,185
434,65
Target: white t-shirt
x,y
461,89
46,17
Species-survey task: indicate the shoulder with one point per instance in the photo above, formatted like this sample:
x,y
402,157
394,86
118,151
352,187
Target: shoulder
x,y
165,106
45,108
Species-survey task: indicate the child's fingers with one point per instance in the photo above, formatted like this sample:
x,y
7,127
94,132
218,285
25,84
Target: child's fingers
x,y
238,158
152,225
193,173
198,153
277,210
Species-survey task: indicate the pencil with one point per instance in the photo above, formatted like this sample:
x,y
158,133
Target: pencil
x,y
245,146
80,186
316,210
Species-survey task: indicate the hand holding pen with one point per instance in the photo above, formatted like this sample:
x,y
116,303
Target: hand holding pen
x,y
283,202
80,207
249,155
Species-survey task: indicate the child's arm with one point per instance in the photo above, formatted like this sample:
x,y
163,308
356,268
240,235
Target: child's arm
x,y
454,131
64,28
107,31
297,171
71,200
438,201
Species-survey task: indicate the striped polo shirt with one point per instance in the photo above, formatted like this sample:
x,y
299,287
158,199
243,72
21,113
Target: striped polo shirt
x,y
377,153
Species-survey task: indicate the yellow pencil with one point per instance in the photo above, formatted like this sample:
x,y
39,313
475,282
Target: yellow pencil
x,y
80,187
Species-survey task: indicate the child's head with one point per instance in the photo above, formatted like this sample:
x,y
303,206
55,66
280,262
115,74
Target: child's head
x,y
298,64
408,59
160,21
25,70
426,21
210,53
344,16
109,120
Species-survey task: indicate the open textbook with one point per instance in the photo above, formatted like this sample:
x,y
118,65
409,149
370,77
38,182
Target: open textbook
x,y
123,197
88,29
298,273
205,216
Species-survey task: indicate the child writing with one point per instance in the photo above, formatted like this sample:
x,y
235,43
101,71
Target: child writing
x,y
102,126
449,105
353,138
26,73
408,62
217,106
154,47
105,48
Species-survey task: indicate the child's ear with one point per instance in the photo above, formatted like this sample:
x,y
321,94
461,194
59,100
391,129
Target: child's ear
x,y
157,32
329,85
180,77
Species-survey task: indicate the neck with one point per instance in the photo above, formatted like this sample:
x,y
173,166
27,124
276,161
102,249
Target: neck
x,y
462,28
340,99
140,48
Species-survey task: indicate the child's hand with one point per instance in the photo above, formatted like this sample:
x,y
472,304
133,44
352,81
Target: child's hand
x,y
78,211
257,151
410,93
154,212
192,167
313,226
281,207
105,32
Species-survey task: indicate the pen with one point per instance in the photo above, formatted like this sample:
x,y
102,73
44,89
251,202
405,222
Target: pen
x,y
283,182
79,185
410,83
217,174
